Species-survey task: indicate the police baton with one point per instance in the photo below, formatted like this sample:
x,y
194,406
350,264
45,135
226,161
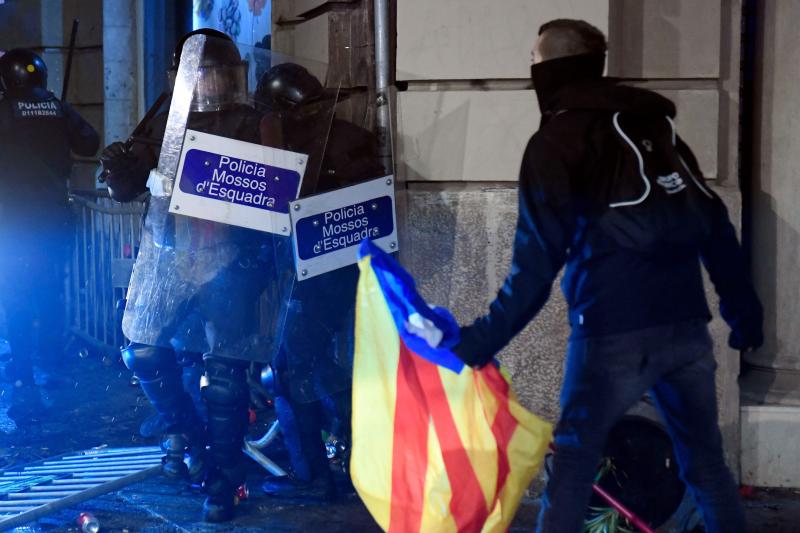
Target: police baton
x,y
68,68
136,135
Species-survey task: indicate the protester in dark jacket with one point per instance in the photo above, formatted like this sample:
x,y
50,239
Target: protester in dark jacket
x,y
638,318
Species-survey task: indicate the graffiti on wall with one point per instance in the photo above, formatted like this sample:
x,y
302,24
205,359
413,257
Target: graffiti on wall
x,y
247,21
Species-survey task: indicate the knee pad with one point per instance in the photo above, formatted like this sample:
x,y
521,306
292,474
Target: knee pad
x,y
147,361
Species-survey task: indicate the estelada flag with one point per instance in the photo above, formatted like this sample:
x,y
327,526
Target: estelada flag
x,y
437,446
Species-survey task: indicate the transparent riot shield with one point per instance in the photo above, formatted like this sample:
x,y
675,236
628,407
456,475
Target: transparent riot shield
x,y
218,214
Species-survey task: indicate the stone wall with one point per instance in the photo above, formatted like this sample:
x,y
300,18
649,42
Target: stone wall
x,y
120,69
776,192
771,382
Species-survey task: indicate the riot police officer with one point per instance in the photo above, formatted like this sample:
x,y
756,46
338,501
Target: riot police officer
x,y
311,373
195,284
37,134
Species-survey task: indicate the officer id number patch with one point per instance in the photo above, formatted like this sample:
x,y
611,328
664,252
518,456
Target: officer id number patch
x,y
47,108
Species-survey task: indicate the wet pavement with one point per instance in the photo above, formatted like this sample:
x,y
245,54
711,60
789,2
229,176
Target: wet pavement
x,y
90,402
161,505
773,510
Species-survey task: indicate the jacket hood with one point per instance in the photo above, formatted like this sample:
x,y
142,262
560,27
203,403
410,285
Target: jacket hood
x,y
608,95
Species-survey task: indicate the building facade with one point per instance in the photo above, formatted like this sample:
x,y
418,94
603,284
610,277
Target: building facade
x,y
463,110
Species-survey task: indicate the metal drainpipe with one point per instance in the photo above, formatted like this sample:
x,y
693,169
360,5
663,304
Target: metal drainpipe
x,y
747,109
382,88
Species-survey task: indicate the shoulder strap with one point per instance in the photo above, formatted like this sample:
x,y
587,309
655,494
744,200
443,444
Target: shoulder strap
x,y
619,131
698,182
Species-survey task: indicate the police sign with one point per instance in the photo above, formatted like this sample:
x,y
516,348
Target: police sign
x,y
236,182
329,227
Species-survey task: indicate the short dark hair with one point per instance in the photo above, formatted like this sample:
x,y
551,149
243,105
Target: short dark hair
x,y
567,37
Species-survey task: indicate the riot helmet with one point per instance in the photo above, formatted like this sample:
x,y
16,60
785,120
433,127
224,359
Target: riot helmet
x,y
222,82
21,71
287,86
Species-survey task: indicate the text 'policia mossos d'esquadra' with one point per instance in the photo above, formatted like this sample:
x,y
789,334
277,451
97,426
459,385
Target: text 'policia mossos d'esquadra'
x,y
238,181
343,227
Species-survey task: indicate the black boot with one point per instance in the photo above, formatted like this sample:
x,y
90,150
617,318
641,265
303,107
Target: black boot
x,y
222,485
226,395
320,489
160,378
184,458
311,478
183,433
192,371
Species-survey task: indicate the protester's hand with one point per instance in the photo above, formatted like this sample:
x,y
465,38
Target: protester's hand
x,y
467,356
746,337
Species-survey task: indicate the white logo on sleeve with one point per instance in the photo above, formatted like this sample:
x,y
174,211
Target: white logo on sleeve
x,y
672,183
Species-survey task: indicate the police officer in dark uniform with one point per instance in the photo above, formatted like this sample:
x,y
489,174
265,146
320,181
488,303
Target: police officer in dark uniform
x,y
37,134
195,286
311,375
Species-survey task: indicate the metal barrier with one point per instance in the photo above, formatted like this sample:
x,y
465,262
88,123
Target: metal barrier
x,y
105,245
31,492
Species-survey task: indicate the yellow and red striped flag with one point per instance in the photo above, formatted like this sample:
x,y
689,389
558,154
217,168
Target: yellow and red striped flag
x,y
437,446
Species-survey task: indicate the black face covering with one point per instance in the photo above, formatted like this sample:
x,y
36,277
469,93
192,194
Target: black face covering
x,y
551,76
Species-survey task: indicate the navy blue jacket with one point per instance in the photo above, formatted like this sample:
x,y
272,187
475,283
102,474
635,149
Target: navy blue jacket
x,y
609,289
37,134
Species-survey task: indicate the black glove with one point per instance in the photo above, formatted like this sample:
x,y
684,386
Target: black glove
x,y
467,356
746,337
746,322
122,172
115,157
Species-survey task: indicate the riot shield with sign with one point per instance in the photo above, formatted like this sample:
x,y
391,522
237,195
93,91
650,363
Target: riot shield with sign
x,y
351,199
219,208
